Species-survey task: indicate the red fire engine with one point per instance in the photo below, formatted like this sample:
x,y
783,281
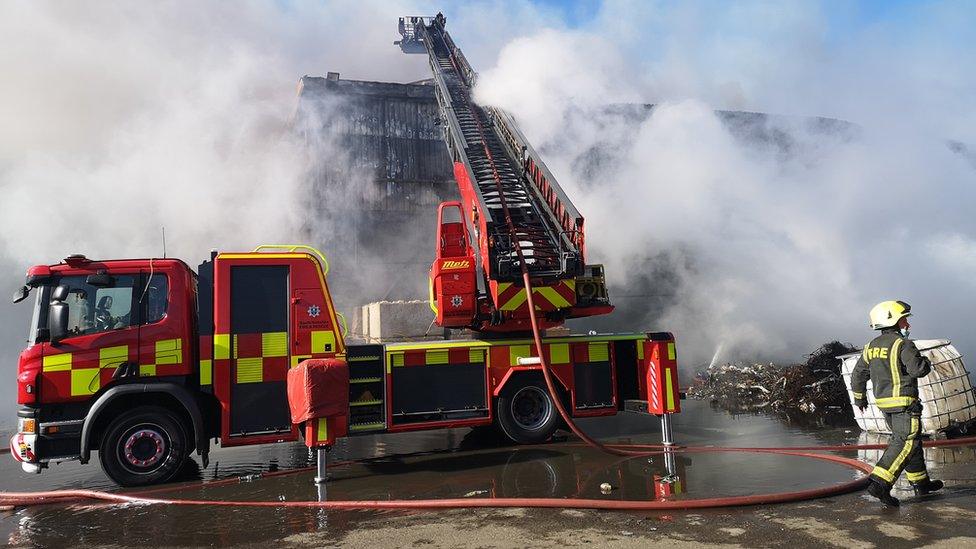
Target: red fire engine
x,y
146,361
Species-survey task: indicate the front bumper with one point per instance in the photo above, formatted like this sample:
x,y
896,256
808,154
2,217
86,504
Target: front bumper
x,y
22,447
36,444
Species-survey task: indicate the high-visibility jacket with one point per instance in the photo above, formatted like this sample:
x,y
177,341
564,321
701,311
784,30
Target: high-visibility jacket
x,y
893,364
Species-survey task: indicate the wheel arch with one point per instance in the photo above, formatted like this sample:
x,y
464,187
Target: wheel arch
x,y
168,395
534,372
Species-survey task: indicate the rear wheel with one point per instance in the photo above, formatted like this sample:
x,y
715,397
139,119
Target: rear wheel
x,y
526,413
143,446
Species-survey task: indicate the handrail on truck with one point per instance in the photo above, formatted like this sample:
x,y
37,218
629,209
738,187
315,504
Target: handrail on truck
x,y
295,247
318,255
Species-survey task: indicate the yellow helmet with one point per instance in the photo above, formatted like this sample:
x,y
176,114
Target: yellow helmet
x,y
887,313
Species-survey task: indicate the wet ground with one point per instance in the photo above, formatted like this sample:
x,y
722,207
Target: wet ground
x,y
475,464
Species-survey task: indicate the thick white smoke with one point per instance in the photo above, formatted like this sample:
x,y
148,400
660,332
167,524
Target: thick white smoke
x,y
771,246
121,118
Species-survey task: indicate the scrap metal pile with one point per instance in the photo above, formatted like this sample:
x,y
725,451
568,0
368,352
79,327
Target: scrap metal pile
x,y
795,390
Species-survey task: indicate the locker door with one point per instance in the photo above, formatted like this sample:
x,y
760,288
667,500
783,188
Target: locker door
x,y
259,310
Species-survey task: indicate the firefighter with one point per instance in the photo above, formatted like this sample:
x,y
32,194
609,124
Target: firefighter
x,y
893,364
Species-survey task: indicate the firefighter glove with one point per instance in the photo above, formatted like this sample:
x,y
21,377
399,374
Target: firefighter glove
x,y
861,403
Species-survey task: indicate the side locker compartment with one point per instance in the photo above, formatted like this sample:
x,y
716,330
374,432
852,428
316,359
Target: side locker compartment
x,y
627,353
438,385
367,389
593,375
259,311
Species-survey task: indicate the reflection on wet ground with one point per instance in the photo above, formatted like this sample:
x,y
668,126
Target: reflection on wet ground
x,y
438,464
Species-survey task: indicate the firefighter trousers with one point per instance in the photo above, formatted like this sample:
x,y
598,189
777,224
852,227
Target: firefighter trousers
x,y
904,451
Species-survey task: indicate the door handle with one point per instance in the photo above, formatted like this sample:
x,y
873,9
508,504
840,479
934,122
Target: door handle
x,y
125,369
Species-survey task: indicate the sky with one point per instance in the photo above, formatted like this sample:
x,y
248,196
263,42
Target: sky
x,y
121,118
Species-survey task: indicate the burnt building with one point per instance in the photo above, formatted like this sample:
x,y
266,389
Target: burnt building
x,y
378,167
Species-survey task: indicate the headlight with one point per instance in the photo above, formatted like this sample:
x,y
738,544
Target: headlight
x,y
27,425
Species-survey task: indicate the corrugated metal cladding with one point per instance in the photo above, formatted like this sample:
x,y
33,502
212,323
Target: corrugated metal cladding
x,y
378,167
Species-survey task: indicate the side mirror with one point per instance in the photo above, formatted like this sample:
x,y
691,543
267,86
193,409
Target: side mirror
x,y
100,280
57,319
59,294
21,294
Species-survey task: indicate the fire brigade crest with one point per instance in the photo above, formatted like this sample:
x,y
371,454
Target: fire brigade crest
x,y
456,301
314,310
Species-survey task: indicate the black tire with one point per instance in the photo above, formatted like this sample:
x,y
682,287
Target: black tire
x,y
525,411
144,446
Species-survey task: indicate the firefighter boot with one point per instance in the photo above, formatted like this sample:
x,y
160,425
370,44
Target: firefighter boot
x,y
883,493
926,487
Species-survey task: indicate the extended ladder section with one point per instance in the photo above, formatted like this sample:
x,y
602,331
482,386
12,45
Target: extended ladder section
x,y
514,195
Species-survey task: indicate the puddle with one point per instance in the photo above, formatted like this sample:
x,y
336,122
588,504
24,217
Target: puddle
x,y
438,464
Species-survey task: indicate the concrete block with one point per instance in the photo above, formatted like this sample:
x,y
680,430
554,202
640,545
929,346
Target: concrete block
x,y
398,321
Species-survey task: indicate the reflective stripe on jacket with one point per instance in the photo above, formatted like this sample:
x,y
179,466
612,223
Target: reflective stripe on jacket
x,y
893,364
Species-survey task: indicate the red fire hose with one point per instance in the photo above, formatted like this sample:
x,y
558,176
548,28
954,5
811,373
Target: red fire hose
x,y
62,496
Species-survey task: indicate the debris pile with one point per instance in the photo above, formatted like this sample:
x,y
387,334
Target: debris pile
x,y
795,390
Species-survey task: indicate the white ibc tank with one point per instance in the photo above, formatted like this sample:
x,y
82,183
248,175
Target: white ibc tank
x,y
946,392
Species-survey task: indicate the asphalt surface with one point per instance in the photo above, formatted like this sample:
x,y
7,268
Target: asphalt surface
x,y
476,464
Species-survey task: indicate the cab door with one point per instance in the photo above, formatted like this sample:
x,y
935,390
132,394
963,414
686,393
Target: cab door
x,y
102,341
165,348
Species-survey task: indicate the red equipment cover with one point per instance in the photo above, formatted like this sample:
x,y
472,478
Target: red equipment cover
x,y
318,388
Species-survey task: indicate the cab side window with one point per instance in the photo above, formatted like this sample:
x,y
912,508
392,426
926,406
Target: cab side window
x,y
155,299
94,309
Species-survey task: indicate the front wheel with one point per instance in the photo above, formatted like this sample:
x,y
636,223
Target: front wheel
x,y
526,413
143,446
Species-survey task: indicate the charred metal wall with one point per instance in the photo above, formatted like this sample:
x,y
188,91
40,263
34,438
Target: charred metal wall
x,y
390,131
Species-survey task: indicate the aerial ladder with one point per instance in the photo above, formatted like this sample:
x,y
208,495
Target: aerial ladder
x,y
520,216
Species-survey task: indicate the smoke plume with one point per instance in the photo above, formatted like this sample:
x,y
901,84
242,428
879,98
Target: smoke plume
x,y
765,241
